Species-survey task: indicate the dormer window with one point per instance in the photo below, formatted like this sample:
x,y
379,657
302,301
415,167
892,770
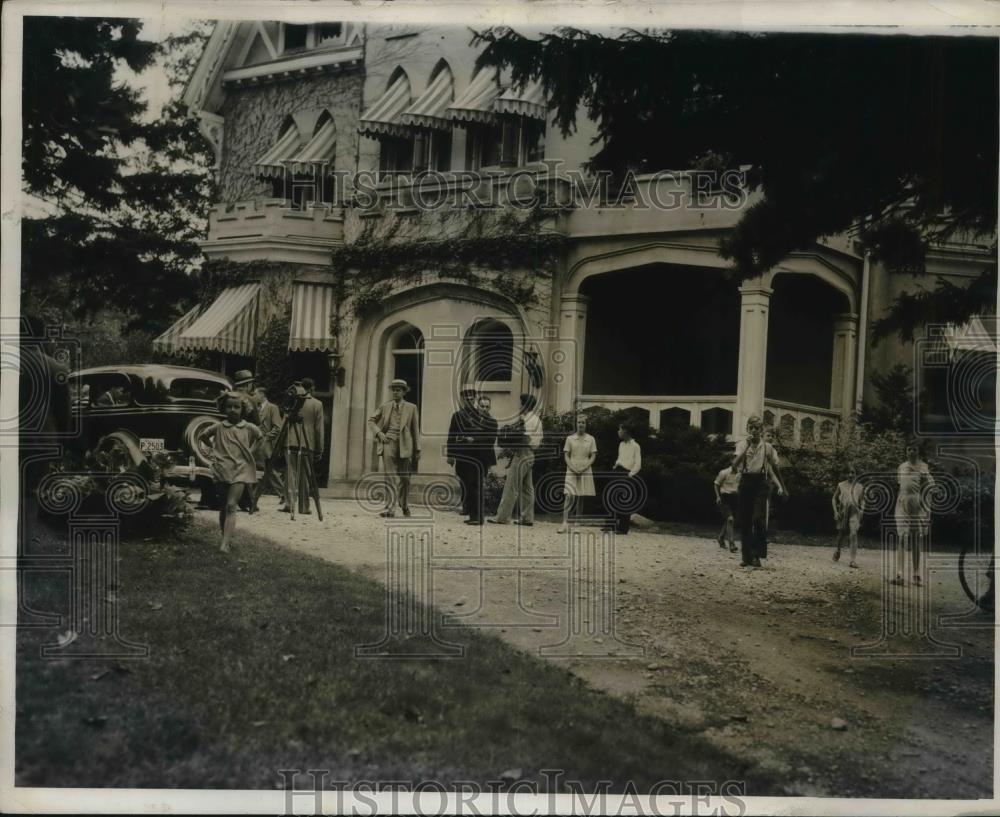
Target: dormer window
x,y
313,35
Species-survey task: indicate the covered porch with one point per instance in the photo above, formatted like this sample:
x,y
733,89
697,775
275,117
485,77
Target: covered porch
x,y
683,343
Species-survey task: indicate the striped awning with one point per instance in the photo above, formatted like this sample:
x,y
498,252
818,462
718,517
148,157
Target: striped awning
x,y
382,118
529,101
273,162
476,103
168,342
312,308
431,109
319,150
228,325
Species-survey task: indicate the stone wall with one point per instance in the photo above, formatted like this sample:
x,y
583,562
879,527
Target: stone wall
x,y
254,116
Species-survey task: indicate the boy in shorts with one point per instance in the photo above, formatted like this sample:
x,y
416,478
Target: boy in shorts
x,y
233,464
848,506
727,487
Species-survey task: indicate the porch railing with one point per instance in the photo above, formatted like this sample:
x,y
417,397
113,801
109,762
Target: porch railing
x,y
712,413
794,423
270,219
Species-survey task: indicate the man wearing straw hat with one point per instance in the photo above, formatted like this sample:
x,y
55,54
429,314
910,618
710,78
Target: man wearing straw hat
x,y
396,428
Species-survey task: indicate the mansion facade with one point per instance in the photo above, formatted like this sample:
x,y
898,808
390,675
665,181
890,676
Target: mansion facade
x,y
319,132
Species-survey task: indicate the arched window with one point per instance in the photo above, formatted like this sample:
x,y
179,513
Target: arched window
x,y
407,348
491,347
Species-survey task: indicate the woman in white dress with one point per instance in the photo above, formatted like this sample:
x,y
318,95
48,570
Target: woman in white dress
x,y
579,452
913,514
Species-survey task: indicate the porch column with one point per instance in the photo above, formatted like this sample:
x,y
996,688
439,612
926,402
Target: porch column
x,y
568,357
755,302
843,373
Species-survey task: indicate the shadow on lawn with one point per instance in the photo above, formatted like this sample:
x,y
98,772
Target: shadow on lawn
x,y
252,670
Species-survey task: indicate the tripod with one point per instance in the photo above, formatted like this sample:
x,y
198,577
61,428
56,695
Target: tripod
x,y
302,454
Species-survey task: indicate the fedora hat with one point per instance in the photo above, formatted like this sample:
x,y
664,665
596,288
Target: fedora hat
x,y
242,377
400,383
468,388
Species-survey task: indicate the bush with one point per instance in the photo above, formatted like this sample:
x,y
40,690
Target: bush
x,y
138,499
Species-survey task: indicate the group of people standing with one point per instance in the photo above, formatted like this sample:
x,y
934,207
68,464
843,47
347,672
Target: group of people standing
x,y
254,428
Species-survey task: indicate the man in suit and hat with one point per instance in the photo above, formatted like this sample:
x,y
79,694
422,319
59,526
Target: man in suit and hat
x,y
243,382
396,428
471,437
304,439
270,426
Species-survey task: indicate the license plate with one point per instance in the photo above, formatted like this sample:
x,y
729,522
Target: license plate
x,y
151,444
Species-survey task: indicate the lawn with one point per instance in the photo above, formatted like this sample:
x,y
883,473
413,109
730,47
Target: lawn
x,y
252,670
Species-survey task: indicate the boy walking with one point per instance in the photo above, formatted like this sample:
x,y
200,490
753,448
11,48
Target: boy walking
x,y
727,499
848,506
233,465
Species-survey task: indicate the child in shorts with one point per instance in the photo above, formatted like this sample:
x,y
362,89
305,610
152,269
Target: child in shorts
x,y
727,487
848,506
233,464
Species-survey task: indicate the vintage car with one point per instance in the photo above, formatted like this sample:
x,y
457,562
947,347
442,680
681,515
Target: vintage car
x,y
130,413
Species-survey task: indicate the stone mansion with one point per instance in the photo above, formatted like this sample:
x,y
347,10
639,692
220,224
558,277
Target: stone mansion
x,y
631,307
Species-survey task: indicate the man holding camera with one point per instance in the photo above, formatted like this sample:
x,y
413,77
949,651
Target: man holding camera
x,y
396,428
304,442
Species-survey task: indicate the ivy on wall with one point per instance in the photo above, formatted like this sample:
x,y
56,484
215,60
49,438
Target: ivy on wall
x,y
513,244
272,355
218,273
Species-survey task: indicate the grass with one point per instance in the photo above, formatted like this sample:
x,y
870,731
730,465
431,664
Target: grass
x,y
252,670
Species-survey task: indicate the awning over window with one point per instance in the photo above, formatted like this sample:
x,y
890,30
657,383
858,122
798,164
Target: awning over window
x,y
169,342
978,335
284,150
529,101
312,308
382,118
431,109
476,103
319,150
228,325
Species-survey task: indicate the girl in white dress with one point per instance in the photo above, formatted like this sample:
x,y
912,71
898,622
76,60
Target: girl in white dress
x,y
579,452
913,515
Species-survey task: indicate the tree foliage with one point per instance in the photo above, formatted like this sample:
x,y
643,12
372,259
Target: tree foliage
x,y
891,138
125,195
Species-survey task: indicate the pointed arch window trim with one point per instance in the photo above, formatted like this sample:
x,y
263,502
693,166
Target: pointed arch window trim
x,y
430,110
382,118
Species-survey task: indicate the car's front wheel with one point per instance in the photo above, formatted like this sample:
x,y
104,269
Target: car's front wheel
x,y
201,451
117,452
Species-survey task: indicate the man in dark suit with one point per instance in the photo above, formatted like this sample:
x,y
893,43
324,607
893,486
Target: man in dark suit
x,y
470,449
304,442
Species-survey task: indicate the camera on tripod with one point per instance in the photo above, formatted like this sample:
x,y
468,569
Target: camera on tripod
x,y
294,399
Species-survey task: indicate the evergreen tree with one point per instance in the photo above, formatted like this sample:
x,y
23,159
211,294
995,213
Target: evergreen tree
x,y
891,137
124,197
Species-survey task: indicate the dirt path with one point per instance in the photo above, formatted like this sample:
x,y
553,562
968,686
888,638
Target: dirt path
x,y
757,661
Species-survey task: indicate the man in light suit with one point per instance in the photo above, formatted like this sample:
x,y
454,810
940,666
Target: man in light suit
x,y
304,440
396,428
270,426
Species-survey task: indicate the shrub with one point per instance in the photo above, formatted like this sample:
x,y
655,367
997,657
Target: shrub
x,y
139,499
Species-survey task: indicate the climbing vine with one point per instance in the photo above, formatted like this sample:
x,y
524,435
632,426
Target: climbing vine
x,y
512,244
218,273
